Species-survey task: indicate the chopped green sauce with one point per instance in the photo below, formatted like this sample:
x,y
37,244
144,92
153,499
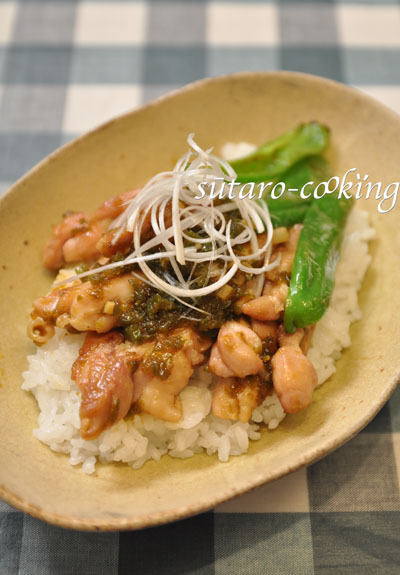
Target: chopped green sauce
x,y
152,313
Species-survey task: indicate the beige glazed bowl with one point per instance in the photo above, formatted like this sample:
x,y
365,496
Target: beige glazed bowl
x,y
123,154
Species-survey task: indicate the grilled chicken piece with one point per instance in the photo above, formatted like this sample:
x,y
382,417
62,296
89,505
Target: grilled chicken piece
x,y
113,374
108,246
84,306
239,348
75,238
270,305
53,257
113,207
293,374
235,399
159,396
103,372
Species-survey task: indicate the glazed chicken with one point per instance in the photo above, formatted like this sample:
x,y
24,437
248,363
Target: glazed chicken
x,y
114,375
294,392
85,307
103,372
141,348
75,239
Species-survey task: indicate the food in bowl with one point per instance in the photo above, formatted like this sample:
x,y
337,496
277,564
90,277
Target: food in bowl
x,y
179,323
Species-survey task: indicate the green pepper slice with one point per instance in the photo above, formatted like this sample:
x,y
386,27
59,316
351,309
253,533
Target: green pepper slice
x,y
318,250
276,157
290,208
289,216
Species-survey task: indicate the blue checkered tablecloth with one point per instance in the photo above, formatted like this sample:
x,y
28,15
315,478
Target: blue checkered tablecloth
x,y
66,66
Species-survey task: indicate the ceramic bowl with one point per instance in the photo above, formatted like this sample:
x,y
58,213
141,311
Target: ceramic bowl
x,y
123,154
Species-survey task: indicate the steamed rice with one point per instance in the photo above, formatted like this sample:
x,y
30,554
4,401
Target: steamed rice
x,y
142,437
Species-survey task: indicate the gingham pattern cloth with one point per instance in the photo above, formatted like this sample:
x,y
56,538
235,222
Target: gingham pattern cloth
x,y
66,66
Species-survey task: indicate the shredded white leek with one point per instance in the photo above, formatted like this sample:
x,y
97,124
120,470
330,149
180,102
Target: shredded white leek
x,y
178,189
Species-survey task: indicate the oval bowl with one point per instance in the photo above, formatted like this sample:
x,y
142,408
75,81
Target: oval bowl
x,y
123,154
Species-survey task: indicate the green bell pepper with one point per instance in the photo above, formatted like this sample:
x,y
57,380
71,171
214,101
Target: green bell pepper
x,y
274,158
288,217
290,208
313,274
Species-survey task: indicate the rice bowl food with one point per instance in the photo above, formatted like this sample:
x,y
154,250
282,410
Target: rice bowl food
x,y
202,425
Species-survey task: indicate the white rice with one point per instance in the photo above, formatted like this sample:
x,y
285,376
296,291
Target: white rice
x,y
234,151
142,437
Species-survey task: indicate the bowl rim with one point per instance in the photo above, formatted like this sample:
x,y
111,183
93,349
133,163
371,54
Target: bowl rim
x,y
289,74
310,456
